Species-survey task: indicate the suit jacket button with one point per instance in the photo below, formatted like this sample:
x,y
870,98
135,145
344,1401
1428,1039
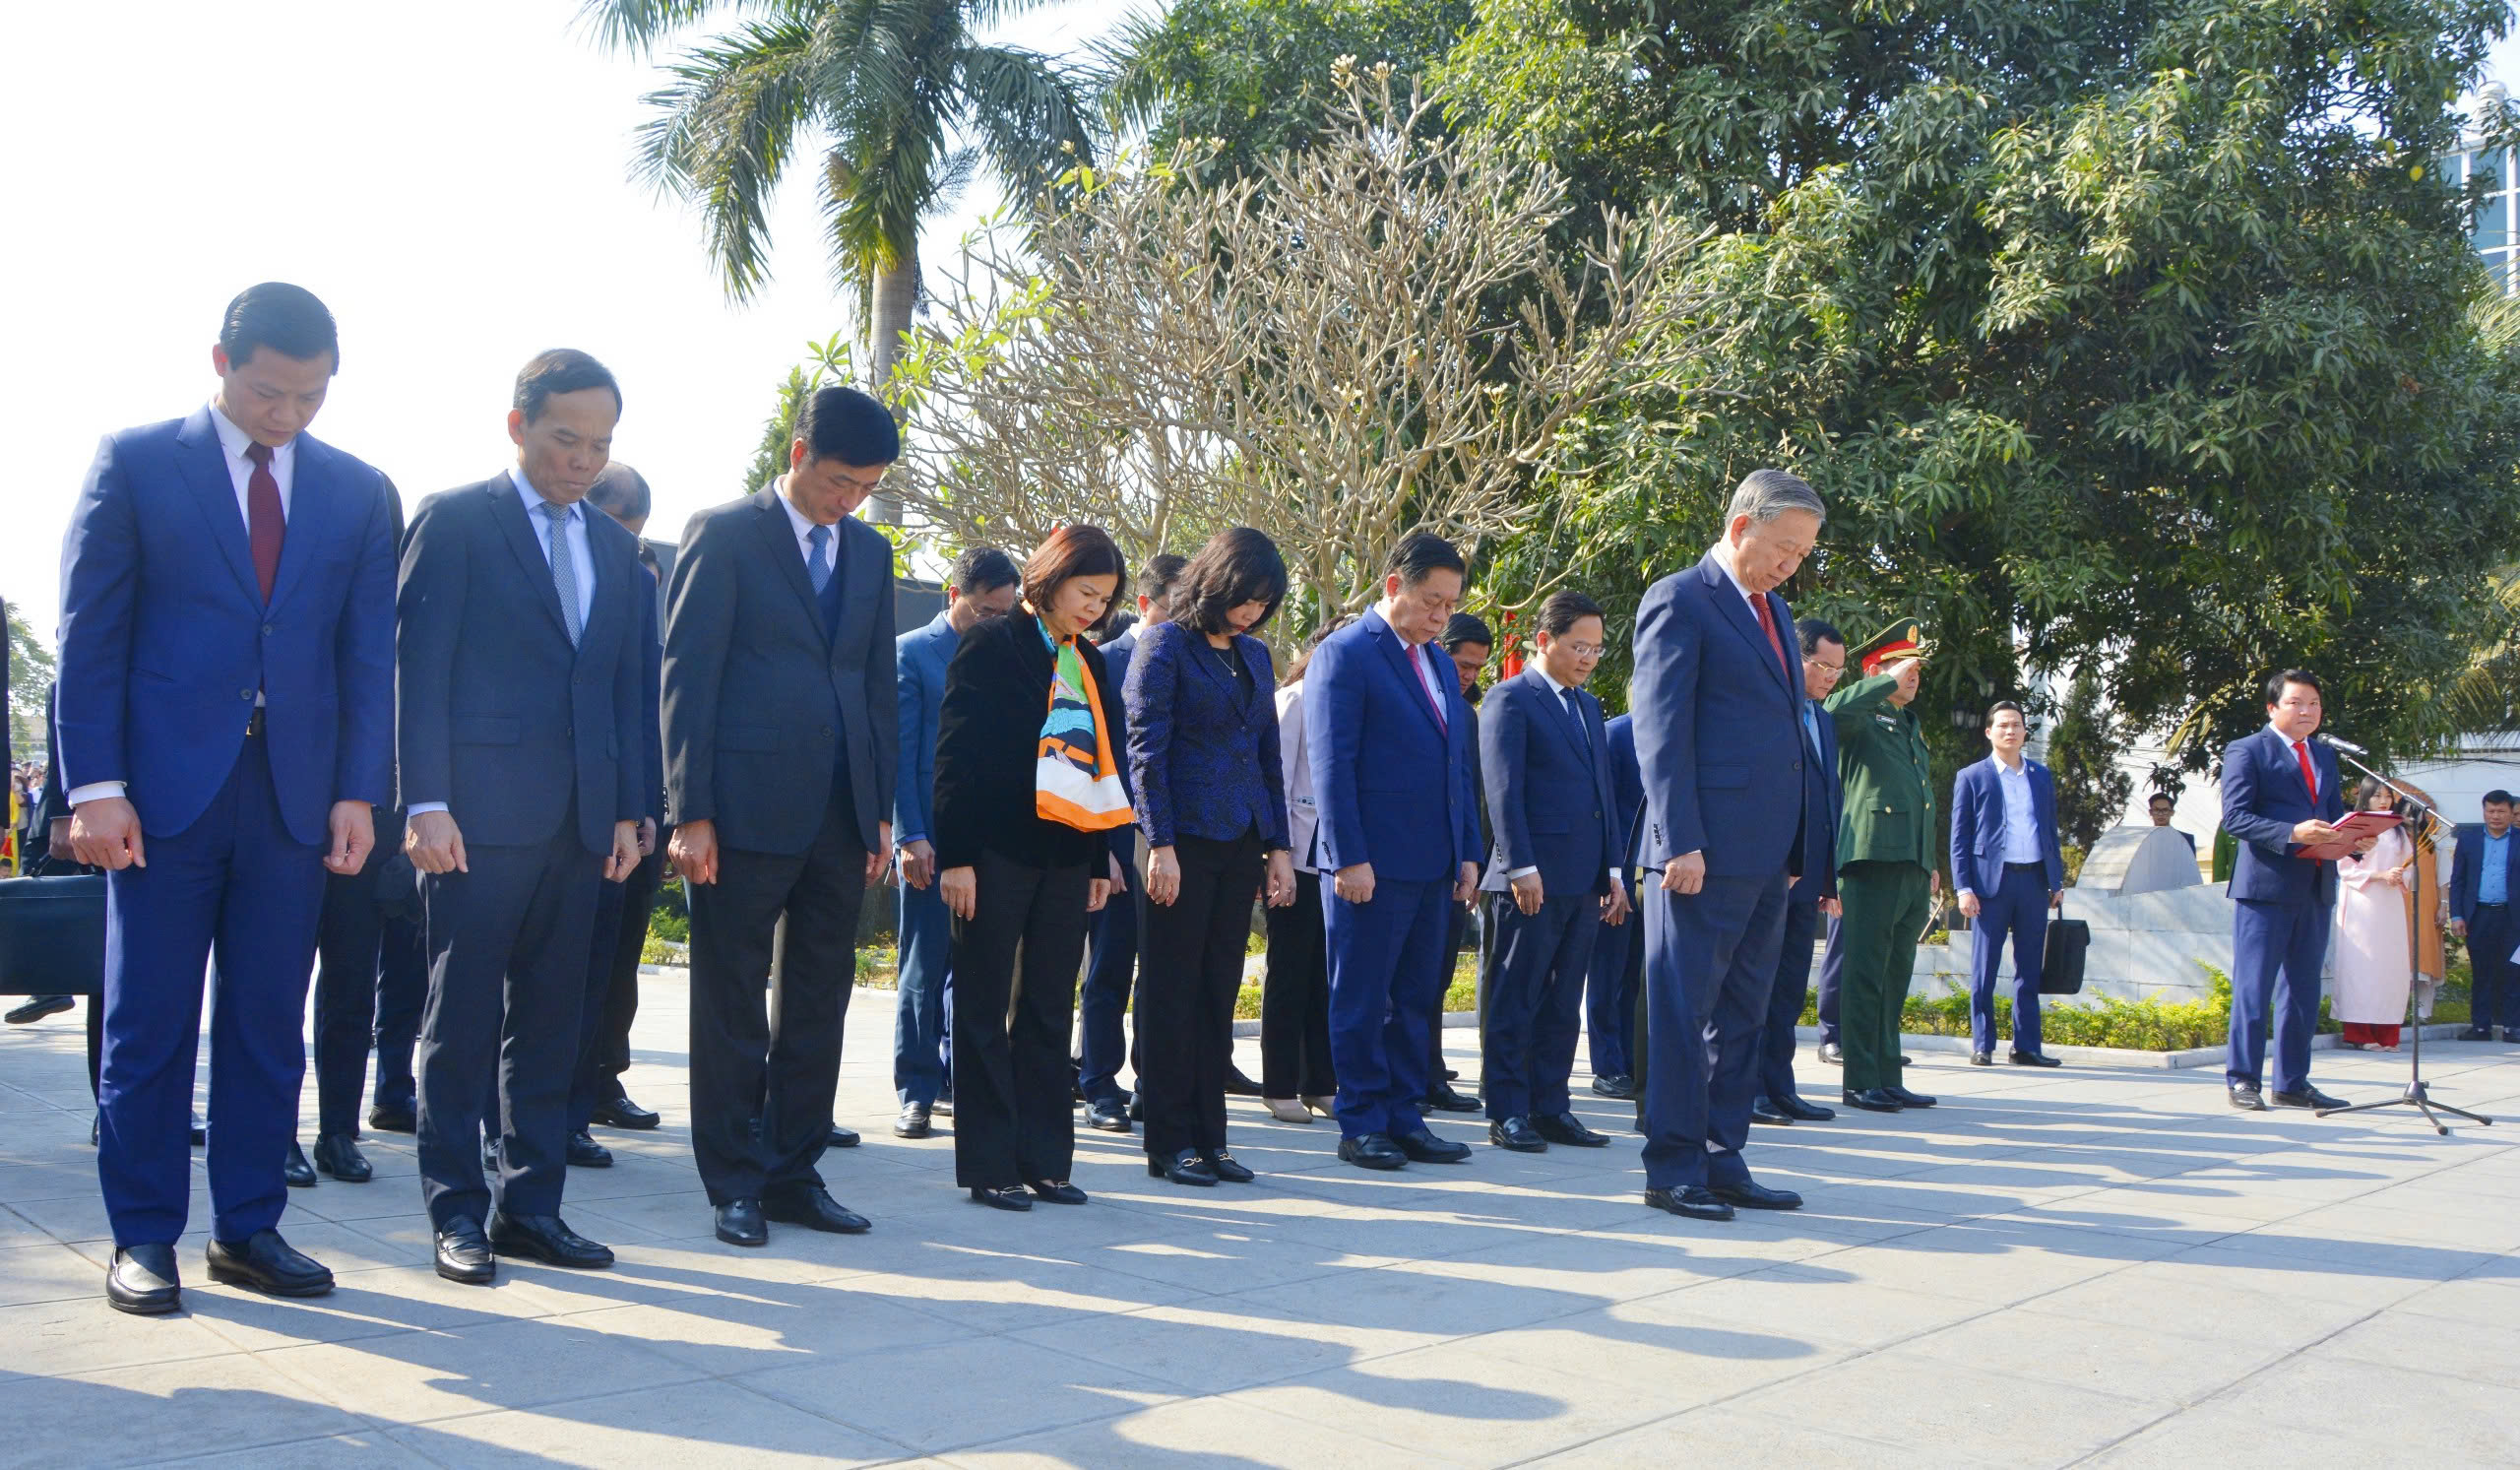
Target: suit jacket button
x,y
568,732
267,630
244,693
826,731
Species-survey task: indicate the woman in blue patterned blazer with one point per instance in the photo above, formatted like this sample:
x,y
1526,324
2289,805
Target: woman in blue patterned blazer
x,y
1202,747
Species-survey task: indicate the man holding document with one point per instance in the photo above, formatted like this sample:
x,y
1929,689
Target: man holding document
x,y
2282,799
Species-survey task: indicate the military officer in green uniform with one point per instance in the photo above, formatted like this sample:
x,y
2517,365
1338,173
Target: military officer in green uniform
x,y
1885,862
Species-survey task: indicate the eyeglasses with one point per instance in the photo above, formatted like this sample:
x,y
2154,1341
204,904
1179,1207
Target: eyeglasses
x,y
1586,650
1833,671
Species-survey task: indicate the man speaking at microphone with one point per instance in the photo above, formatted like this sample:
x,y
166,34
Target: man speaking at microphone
x,y
2280,796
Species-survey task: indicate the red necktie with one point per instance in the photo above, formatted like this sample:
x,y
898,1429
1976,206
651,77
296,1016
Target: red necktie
x,y
264,526
1767,623
2309,777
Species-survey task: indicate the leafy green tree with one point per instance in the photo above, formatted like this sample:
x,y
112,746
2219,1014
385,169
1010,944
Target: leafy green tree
x,y
2082,750
2138,337
1254,75
905,101
30,672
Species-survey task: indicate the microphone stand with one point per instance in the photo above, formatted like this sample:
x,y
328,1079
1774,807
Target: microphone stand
x,y
2422,822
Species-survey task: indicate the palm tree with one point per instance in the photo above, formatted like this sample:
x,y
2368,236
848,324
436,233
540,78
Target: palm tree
x,y
905,101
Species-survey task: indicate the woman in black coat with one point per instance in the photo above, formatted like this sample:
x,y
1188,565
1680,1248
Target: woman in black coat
x,y
1016,880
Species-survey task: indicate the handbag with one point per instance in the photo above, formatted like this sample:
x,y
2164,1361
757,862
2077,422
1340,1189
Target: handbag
x,y
2068,945
52,935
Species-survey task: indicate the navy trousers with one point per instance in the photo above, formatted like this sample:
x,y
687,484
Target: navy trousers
x,y
1387,977
371,978
922,1031
2495,988
1611,977
1832,959
2016,912
237,886
1786,995
1536,975
1710,958
2277,950
1110,969
614,940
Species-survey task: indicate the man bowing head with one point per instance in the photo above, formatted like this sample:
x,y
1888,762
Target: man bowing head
x,y
1717,700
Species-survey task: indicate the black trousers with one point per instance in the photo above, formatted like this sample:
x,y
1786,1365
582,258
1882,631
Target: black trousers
x,y
507,944
1294,1000
1189,975
2493,990
619,934
371,980
1013,1122
791,920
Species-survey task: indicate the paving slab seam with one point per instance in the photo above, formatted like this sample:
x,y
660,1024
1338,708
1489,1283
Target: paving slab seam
x,y
2244,1379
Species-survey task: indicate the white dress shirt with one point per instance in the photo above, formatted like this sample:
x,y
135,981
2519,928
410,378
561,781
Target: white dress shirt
x,y
803,528
1557,691
1426,676
1754,599
233,444
2289,743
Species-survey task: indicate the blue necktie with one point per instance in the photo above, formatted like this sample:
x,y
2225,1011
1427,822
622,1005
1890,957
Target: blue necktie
x,y
564,569
1575,712
1811,727
818,565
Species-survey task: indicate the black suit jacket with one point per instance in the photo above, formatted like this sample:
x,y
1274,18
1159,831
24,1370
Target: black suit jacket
x,y
757,698
988,736
496,714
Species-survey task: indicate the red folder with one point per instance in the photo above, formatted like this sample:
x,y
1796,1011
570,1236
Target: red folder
x,y
2355,827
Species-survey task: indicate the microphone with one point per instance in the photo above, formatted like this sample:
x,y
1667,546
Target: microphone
x,y
2347,747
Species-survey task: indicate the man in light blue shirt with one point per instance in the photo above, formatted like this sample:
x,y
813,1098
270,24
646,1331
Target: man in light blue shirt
x,y
2480,914
2010,871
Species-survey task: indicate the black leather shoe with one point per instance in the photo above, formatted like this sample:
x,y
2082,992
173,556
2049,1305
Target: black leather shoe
x,y
293,1168
490,1155
1906,1099
1110,1115
1693,1202
2246,1098
1832,1053
2477,1034
95,1128
1183,1168
585,1153
1226,1167
1423,1147
2034,1058
336,1155
1444,1099
464,1253
1802,1112
1981,1058
36,1009
618,1112
813,1209
141,1281
2308,1096
2512,1033
1621,1087
1567,1128
943,1107
1372,1151
1517,1136
913,1123
1137,1108
393,1119
1750,1194
1003,1198
1761,1111
201,1130
1237,1085
842,1137
1056,1191
265,1263
741,1223
544,1237
1870,1100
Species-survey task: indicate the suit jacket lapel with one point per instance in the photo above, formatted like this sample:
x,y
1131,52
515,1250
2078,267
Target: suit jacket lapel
x,y
205,469
313,509
1400,654
1568,726
1719,586
782,538
507,507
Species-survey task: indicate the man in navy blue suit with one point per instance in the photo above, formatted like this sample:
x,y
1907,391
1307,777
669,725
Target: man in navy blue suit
x,y
1813,894
2482,895
1554,879
2279,794
226,710
1718,702
2006,863
982,584
518,667
1618,966
1389,737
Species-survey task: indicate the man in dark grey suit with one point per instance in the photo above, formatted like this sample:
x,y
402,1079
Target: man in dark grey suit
x,y
782,745
517,665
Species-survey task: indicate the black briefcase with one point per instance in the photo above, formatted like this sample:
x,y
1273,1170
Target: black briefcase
x,y
2068,942
52,935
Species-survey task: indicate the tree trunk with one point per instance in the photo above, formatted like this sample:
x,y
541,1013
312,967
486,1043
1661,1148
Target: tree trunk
x,y
895,292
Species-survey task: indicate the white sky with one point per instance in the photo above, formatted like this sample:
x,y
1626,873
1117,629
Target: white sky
x,y
452,180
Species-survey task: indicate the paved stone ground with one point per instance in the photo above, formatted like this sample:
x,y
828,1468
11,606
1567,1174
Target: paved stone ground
x,y
2087,1266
